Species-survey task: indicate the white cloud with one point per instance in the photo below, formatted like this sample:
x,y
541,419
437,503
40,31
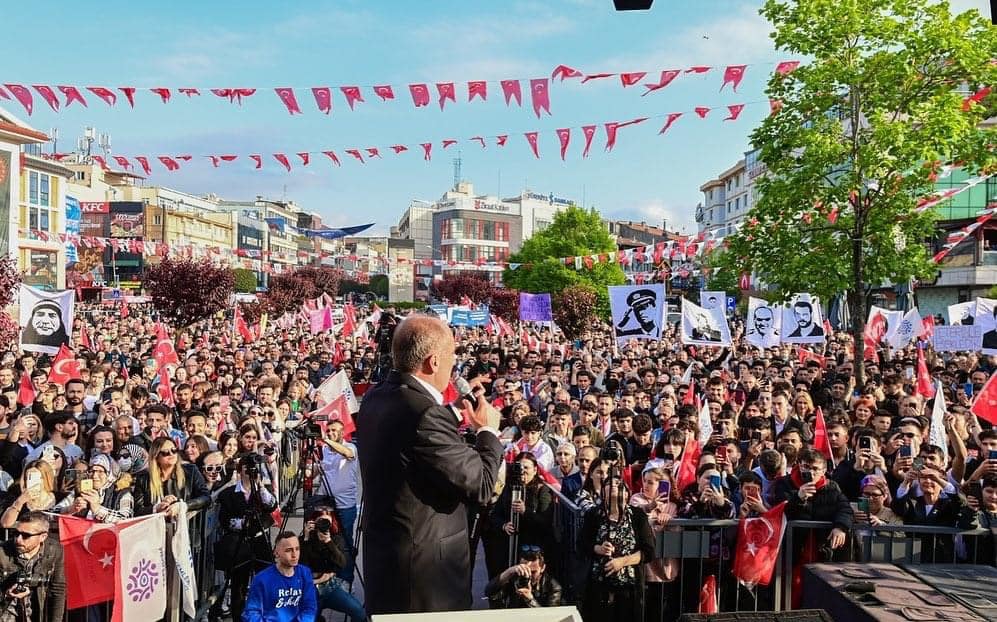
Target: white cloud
x,y
657,211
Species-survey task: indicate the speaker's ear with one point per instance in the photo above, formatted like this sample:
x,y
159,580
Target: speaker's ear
x,y
636,5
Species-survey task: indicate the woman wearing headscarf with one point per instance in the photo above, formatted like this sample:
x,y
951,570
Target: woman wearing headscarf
x,y
45,327
103,499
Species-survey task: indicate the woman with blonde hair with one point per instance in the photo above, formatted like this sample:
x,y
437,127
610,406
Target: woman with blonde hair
x,y
168,481
36,492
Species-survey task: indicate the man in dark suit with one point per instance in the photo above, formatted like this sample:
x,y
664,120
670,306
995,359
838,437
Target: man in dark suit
x,y
419,475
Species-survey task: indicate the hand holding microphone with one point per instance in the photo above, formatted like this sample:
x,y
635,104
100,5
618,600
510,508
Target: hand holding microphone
x,y
480,413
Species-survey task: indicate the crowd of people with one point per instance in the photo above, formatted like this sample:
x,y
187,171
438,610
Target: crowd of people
x,y
601,425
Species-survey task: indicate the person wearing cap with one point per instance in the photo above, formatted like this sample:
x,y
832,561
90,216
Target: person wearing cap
x,y
102,500
55,426
639,318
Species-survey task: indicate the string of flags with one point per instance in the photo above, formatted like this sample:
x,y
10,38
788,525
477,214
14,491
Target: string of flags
x,y
288,161
422,94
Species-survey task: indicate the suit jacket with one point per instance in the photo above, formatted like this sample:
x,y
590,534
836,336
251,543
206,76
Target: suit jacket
x,y
419,475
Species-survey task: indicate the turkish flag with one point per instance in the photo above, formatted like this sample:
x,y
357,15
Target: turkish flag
x,y
925,387
25,390
123,309
531,137
85,341
733,75
985,406
564,136
89,549
874,332
165,389
540,96
687,466
164,353
241,328
821,443
927,327
806,355
589,132
511,89
290,101
420,94
338,410
758,542
477,88
708,596
65,367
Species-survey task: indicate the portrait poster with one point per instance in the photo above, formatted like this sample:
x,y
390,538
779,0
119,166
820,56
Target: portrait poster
x,y
962,314
890,317
986,319
46,319
704,327
710,300
764,323
638,311
802,320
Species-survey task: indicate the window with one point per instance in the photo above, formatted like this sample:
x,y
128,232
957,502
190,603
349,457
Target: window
x,y
157,219
40,201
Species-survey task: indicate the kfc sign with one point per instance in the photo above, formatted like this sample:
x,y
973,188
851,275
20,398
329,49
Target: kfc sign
x,y
95,207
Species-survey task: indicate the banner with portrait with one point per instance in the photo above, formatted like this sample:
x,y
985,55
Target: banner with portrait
x,y
764,323
710,300
962,313
704,327
986,319
46,319
638,311
802,320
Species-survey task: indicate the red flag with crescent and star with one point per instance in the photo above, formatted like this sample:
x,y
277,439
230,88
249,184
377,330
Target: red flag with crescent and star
x,y
65,367
758,542
164,353
88,550
985,406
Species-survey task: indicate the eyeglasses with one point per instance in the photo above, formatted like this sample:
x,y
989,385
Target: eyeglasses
x,y
24,535
167,452
908,434
211,468
530,549
873,493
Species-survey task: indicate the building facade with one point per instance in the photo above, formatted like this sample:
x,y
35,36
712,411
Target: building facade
x,y
727,199
42,216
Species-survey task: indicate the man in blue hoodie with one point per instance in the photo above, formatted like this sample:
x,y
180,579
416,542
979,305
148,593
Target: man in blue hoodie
x,y
283,592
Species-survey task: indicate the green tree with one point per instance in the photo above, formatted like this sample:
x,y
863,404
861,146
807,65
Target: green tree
x,y
245,281
862,128
575,232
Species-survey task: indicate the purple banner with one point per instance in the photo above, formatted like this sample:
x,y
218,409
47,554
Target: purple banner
x,y
535,308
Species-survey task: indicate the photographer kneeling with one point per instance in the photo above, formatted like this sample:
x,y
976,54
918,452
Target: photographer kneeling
x,y
526,584
323,552
244,515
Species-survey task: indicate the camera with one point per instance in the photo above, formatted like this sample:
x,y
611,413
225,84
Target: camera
x,y
269,450
610,454
251,463
520,582
308,430
515,473
323,525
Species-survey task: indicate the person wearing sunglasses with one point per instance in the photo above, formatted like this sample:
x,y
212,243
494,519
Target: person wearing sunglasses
x,y
168,481
30,554
526,584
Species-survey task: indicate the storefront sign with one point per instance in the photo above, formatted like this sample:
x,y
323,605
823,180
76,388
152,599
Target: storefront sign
x,y
95,207
491,207
550,198
127,225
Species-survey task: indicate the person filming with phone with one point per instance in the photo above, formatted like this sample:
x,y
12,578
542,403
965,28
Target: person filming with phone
x,y
32,577
812,496
526,584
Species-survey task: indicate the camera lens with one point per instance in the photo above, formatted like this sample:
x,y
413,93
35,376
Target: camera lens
x,y
323,525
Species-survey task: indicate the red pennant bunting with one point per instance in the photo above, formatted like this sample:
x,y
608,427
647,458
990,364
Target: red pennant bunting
x,y
129,92
666,78
924,386
540,95
511,89
258,159
733,75
698,69
106,94
385,92
73,95
372,152
775,105
280,157
480,139
975,98
531,137
169,163
352,94
355,153
787,67
163,93
100,160
420,94
589,132
23,96
446,92
501,139
630,79
215,160
449,141
611,128
477,88
290,101
144,163
399,148
3,94
332,156
323,98
672,118
832,216
563,71
123,162
305,157
597,76
702,111
185,158
427,151
564,135
48,95
734,112
189,92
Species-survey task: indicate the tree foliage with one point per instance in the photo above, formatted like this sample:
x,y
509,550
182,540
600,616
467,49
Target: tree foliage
x,y
574,308
862,129
504,303
185,291
245,281
454,286
10,280
287,292
574,232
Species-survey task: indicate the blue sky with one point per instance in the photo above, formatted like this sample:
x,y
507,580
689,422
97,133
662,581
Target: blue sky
x,y
267,44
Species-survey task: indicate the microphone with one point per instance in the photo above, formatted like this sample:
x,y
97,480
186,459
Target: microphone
x,y
464,389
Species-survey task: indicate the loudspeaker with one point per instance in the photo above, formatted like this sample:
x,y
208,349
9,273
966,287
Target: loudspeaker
x,y
802,615
632,5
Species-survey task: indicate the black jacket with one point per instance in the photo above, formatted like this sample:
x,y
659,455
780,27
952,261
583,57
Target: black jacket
x,y
419,476
828,504
951,511
503,593
195,491
47,579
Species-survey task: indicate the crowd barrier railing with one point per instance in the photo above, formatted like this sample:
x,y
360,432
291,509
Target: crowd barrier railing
x,y
704,547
